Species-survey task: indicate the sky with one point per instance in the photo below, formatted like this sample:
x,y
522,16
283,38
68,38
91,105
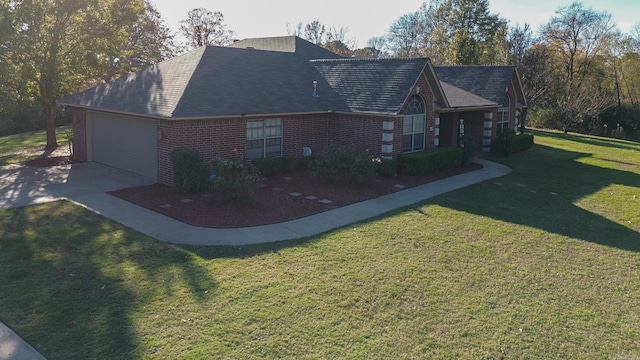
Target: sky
x,y
260,18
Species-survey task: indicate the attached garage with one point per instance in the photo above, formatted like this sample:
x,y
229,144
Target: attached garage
x,y
126,143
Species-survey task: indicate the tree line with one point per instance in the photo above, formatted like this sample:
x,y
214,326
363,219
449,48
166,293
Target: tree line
x,y
53,48
579,72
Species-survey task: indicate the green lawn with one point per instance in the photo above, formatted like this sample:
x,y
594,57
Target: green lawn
x,y
28,146
543,263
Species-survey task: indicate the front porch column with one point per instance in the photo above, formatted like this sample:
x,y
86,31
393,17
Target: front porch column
x,y
487,132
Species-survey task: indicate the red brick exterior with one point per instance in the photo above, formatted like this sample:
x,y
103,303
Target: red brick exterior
x,y
226,138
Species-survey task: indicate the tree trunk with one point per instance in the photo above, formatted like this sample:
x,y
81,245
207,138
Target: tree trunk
x,y
49,118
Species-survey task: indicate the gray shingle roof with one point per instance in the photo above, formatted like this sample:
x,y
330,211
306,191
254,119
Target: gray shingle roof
x,y
459,98
225,81
368,85
488,82
231,81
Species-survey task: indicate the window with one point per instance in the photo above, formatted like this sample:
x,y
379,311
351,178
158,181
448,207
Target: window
x,y
504,113
264,138
413,125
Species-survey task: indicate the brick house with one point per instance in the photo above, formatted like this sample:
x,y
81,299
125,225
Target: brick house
x,y
282,96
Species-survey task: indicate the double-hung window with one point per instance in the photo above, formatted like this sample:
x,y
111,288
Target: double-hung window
x,y
413,125
264,138
504,113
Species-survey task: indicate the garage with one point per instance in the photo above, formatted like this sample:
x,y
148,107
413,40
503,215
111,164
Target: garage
x,y
126,143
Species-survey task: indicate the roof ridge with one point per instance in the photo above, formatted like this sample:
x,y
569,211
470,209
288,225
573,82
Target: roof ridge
x,y
348,59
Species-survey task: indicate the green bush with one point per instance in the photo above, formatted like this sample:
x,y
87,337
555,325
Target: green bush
x,y
188,173
271,166
508,143
345,165
268,166
468,149
522,142
502,145
430,161
305,163
234,181
287,164
387,167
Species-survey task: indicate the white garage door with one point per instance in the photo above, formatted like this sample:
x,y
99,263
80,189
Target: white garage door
x,y
126,143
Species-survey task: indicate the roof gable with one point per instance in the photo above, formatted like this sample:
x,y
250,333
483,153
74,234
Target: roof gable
x,y
372,85
488,82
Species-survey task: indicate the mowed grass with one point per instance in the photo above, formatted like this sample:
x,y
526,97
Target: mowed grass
x,y
28,146
542,263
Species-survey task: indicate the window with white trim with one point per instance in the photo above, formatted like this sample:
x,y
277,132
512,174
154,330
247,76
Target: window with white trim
x,y
413,125
504,113
264,138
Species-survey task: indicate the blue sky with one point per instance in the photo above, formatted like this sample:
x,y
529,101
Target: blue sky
x,y
251,18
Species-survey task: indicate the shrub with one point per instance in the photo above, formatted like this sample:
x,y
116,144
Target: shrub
x,y
344,164
522,142
305,163
387,167
502,145
430,161
271,166
468,149
188,173
234,181
287,164
508,143
268,166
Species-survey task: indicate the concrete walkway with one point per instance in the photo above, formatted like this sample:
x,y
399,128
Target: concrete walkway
x,y
86,184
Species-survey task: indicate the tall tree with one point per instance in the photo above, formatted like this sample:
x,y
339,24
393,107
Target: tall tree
x,y
577,36
456,32
54,43
315,32
203,27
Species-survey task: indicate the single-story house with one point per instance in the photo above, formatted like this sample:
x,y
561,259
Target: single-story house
x,y
282,96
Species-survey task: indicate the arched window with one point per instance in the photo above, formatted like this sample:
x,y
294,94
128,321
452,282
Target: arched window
x,y
504,113
413,125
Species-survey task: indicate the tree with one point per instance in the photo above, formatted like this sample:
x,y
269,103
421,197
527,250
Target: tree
x,y
55,43
314,32
203,27
150,40
577,36
456,32
519,39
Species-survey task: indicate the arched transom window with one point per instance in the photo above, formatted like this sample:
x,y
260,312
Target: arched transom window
x,y
413,125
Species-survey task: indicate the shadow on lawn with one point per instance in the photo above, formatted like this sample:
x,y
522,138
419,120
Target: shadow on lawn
x,y
73,295
541,192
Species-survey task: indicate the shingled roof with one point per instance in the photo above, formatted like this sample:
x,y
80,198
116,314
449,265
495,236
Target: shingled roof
x,y
370,85
224,81
275,76
488,82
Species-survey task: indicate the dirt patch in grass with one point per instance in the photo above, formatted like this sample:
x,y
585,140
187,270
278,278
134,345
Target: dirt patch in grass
x,y
52,161
280,198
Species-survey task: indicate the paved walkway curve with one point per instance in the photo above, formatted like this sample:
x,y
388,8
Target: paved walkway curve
x,y
86,184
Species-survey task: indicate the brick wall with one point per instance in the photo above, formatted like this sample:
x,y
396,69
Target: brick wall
x,y
79,124
302,131
215,138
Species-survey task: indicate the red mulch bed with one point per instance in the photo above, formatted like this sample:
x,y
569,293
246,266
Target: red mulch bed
x,y
272,202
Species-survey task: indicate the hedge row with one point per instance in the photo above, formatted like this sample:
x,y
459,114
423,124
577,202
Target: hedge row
x,y
430,161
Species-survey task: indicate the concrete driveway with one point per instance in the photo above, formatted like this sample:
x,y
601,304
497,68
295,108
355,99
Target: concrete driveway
x,y
27,185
